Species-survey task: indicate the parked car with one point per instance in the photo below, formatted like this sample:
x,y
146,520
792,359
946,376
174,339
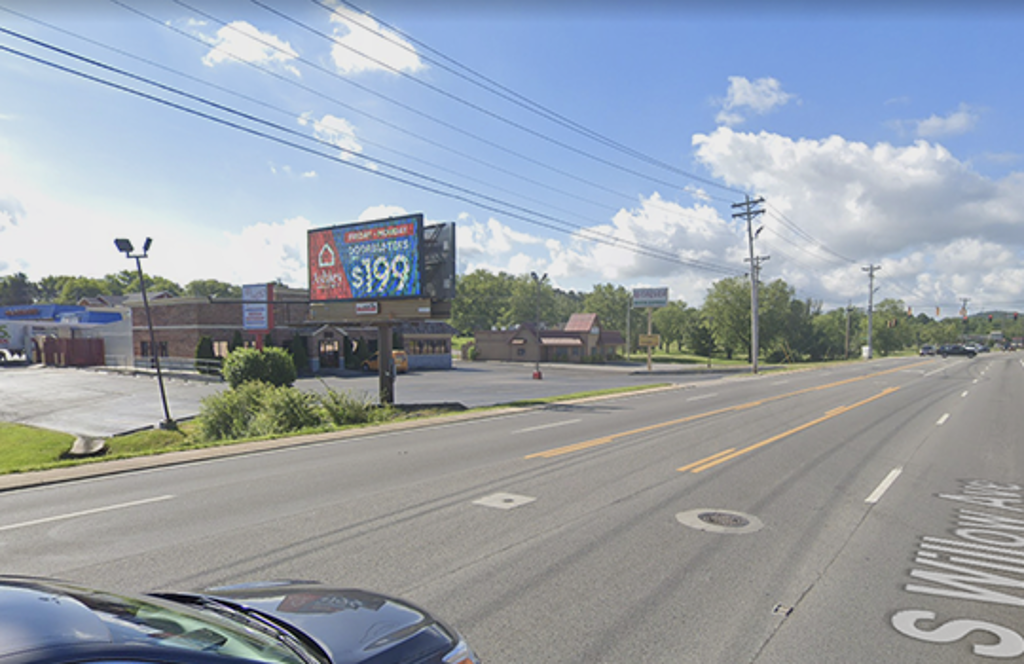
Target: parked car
x,y
927,349
401,361
43,620
956,349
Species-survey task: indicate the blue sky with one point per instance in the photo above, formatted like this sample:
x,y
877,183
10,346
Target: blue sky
x,y
876,136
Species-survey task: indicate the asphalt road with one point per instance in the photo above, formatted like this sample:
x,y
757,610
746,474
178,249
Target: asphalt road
x,y
101,403
870,513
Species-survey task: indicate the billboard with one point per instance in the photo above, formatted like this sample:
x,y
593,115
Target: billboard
x,y
650,297
366,260
257,314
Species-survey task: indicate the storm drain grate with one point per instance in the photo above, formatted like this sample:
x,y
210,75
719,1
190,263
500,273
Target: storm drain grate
x,y
720,521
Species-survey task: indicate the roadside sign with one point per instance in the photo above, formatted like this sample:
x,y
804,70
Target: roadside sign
x,y
650,297
650,340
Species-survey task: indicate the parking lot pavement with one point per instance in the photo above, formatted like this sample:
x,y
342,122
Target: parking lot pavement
x,y
93,402
97,402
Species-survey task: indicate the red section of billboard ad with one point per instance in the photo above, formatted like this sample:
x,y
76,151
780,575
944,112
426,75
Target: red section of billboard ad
x,y
380,233
327,280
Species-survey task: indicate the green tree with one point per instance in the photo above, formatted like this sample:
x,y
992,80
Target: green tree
x,y
672,322
891,331
211,288
75,288
528,296
727,311
50,288
481,300
699,338
611,303
17,289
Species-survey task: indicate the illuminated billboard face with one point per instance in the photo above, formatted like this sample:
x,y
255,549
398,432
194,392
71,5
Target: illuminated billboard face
x,y
364,261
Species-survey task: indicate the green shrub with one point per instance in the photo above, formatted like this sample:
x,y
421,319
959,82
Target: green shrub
x,y
284,409
342,408
280,367
228,415
256,408
271,365
300,358
206,359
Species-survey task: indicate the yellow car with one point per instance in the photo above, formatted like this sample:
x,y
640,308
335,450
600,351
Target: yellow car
x,y
401,362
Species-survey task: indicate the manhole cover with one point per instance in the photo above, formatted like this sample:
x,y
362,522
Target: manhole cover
x,y
720,521
727,519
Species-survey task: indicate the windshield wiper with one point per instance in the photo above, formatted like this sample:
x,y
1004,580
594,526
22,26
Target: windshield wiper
x,y
257,621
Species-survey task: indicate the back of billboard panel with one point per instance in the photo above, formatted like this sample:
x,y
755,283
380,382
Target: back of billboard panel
x,y
366,260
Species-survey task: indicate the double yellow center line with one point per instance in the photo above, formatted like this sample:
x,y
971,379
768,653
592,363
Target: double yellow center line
x,y
727,455
730,453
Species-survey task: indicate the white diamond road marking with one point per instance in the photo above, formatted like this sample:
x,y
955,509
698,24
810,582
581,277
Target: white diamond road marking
x,y
504,501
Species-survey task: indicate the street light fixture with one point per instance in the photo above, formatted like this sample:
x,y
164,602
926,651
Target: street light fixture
x,y
125,247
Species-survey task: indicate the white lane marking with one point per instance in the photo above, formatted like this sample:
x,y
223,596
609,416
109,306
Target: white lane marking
x,y
964,393
95,510
939,370
876,495
548,426
703,396
780,382
975,381
942,420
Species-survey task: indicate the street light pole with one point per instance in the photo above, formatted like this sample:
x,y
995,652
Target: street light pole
x,y
126,247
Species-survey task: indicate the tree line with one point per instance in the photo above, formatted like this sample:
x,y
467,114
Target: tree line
x,y
791,329
19,289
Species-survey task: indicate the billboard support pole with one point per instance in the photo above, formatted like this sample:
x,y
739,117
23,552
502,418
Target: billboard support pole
x,y
649,332
385,364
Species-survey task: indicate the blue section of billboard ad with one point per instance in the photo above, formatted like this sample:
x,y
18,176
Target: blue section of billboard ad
x,y
364,261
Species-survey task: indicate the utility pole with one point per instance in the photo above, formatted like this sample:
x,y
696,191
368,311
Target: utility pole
x,y
749,213
871,269
963,315
629,314
846,352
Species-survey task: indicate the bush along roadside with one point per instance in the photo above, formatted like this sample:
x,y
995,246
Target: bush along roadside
x,y
257,409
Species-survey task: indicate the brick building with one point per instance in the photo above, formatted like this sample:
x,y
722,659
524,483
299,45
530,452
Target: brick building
x,y
582,339
180,322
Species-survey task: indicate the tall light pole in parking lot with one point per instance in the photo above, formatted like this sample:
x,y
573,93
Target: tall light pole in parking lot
x,y
126,247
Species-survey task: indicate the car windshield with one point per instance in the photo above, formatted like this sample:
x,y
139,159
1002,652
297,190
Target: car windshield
x,y
207,628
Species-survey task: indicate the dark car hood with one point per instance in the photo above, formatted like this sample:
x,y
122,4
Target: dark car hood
x,y
349,625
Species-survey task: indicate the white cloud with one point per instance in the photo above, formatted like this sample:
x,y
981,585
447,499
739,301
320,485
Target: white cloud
x,y
760,96
266,252
11,212
958,122
362,44
381,212
339,132
241,41
937,227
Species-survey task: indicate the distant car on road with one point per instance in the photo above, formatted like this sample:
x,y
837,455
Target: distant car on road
x,y
401,361
956,349
927,349
43,620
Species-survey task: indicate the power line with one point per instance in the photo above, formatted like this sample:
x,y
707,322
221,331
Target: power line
x,y
535,162
457,193
453,97
496,88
